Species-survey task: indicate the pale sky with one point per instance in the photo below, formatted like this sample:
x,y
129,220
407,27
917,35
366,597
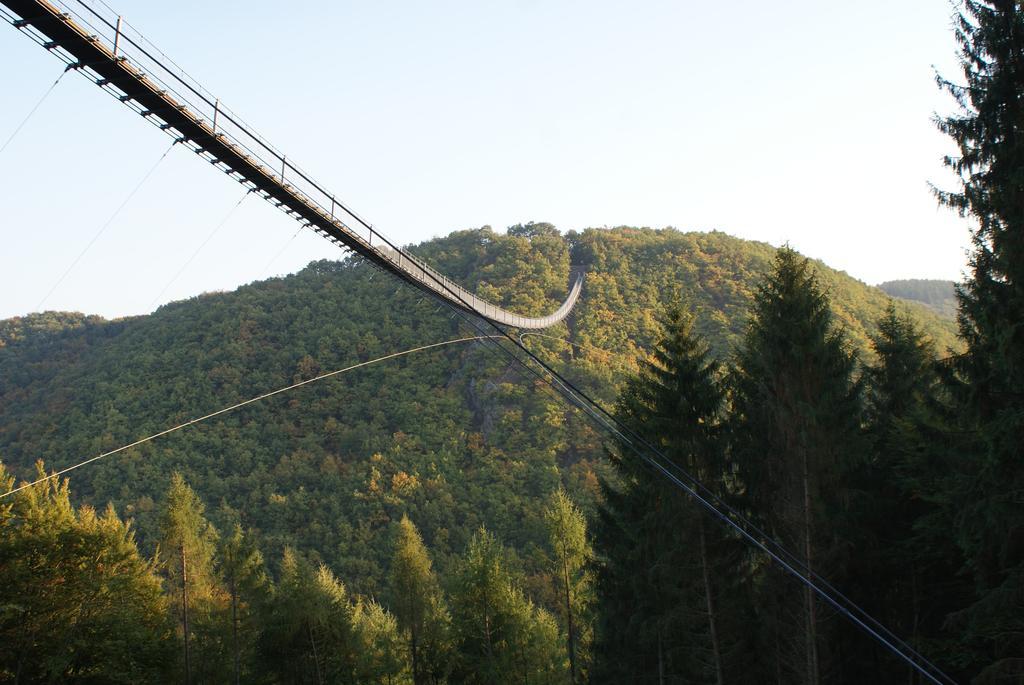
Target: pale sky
x,y
804,122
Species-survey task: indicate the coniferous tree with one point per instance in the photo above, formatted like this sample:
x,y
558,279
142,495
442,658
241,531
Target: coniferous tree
x,y
247,585
501,635
662,563
989,387
796,427
188,543
571,557
308,634
906,572
419,606
78,603
380,654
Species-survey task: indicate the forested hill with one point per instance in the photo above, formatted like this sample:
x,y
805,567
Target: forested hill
x,y
937,294
454,437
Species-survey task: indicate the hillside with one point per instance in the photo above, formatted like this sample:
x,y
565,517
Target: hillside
x,y
454,437
938,295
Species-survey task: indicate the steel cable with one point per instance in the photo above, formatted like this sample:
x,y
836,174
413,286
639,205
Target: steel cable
x,y
32,111
199,249
105,225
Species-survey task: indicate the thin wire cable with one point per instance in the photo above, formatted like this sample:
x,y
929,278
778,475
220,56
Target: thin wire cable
x,y
104,227
32,111
266,269
199,249
238,405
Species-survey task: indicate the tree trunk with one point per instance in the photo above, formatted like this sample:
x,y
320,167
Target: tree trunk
x,y
184,610
709,601
414,649
234,625
811,610
316,656
568,619
661,662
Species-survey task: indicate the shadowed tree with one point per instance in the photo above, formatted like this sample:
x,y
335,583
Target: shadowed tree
x,y
796,429
989,132
662,565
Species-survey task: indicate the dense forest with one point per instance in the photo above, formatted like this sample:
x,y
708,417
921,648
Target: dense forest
x,y
455,454
447,516
456,438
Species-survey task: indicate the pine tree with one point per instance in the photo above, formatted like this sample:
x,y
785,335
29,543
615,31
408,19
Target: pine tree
x,y
989,132
247,586
796,414
419,606
662,570
501,635
572,556
308,634
188,543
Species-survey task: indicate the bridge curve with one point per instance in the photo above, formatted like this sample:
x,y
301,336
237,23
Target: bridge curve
x,y
92,40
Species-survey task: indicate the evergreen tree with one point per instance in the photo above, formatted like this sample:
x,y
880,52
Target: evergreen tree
x,y
501,635
906,572
571,558
78,603
380,655
308,634
663,566
796,424
188,543
247,586
989,132
419,606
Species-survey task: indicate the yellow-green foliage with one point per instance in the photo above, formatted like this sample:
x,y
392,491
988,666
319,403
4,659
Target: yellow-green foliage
x,y
456,437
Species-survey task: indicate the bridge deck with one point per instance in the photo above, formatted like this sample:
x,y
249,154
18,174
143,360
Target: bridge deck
x,y
175,103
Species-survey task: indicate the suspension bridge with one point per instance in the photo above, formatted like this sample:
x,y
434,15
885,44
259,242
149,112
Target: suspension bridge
x,y
93,41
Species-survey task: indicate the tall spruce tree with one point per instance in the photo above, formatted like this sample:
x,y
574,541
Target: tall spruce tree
x,y
989,132
662,567
906,570
796,428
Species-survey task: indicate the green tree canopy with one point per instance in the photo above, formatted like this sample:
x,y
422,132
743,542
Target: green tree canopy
x,y
78,603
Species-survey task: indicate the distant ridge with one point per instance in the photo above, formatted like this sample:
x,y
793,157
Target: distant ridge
x,y
939,296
